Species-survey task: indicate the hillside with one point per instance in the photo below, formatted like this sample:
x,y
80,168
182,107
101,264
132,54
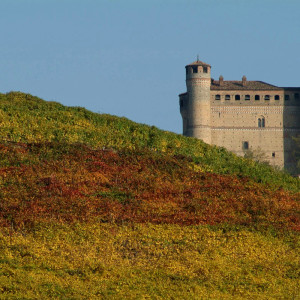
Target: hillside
x,y
95,206
28,119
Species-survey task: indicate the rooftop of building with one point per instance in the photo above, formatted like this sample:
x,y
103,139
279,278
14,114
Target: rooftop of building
x,y
238,85
198,63
290,88
233,85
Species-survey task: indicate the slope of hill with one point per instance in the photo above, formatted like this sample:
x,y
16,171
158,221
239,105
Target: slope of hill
x,y
25,118
94,206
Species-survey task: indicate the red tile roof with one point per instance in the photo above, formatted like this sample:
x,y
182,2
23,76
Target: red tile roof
x,y
238,85
198,63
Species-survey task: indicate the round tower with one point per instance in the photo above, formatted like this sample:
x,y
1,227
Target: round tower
x,y
198,107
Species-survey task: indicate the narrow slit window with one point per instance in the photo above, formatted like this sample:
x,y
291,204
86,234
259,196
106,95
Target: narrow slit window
x,y
259,122
237,97
263,122
273,154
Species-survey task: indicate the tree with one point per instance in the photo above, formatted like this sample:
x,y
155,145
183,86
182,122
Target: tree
x,y
258,155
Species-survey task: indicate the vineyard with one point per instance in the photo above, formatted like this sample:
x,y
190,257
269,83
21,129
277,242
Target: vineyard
x,y
96,206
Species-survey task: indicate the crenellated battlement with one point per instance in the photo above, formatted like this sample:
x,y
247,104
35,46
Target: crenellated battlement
x,y
241,115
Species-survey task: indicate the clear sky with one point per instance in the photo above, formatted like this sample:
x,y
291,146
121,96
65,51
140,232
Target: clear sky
x,y
127,57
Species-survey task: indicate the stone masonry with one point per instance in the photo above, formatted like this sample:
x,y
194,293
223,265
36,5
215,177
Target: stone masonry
x,y
241,116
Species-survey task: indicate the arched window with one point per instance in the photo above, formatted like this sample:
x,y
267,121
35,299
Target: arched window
x,y
237,97
218,97
245,145
247,97
261,121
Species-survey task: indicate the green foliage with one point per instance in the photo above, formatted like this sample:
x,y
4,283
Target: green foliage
x,y
98,207
257,155
28,119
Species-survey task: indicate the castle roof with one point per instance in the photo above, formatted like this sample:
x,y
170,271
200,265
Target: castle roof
x,y
198,63
238,85
291,88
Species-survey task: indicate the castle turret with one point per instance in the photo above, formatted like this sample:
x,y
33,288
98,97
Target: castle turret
x,y
195,105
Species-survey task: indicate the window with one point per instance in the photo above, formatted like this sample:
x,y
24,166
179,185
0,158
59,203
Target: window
x,y
247,97
261,122
204,69
227,97
186,71
257,97
245,145
273,154
267,97
296,96
237,97
277,97
217,97
286,97
195,69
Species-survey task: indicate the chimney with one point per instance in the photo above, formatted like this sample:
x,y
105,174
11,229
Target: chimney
x,y
244,81
221,80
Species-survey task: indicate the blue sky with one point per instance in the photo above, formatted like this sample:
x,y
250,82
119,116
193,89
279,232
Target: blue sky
x,y
127,57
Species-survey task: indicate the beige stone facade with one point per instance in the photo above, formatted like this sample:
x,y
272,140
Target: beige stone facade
x,y
242,116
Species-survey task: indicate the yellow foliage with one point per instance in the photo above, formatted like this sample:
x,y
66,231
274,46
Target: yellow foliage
x,y
146,261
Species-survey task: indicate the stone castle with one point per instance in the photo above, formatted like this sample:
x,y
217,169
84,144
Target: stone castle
x,y
242,116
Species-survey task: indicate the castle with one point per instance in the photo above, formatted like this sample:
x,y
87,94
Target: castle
x,y
242,116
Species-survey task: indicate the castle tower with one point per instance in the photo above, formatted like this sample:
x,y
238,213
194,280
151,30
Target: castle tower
x,y
195,104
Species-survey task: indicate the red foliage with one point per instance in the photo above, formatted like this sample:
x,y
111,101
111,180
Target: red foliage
x,y
85,185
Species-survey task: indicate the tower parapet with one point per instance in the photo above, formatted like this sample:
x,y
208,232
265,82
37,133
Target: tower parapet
x,y
197,110
242,115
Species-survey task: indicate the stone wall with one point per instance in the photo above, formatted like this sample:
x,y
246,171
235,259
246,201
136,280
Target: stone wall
x,y
245,121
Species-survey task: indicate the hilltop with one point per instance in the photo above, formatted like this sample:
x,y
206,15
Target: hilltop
x,y
28,119
98,206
